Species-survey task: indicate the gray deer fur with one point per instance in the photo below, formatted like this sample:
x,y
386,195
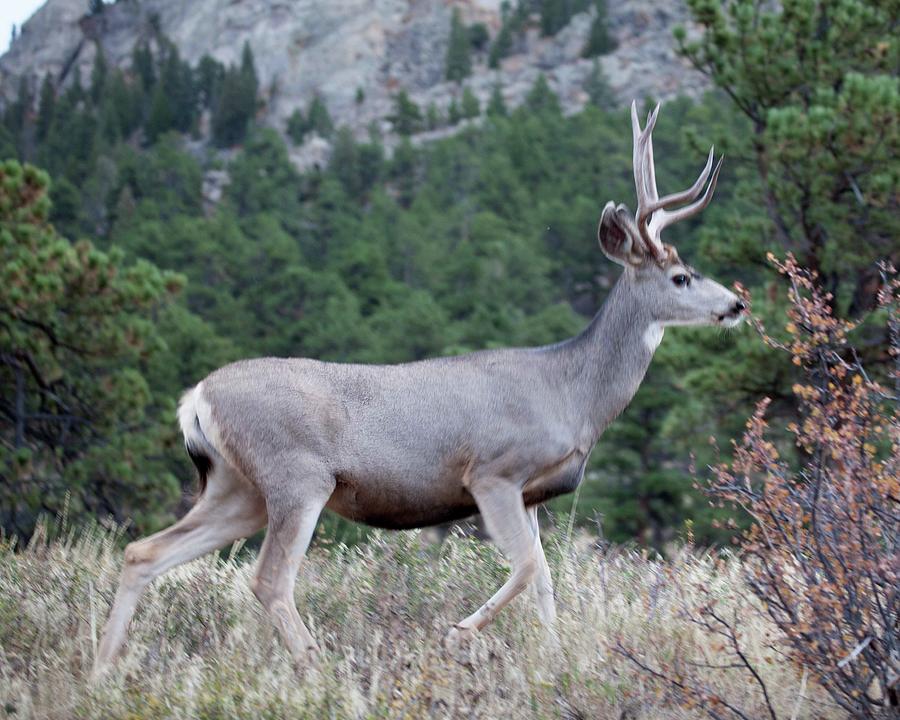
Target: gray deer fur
x,y
416,444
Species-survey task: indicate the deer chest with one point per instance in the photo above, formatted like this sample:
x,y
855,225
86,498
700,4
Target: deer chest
x,y
558,479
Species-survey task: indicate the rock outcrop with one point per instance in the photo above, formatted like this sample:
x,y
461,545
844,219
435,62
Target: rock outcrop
x,y
338,47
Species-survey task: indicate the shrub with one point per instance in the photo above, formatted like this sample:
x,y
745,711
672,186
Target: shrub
x,y
821,551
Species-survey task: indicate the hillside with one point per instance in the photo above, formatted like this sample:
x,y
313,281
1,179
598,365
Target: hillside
x,y
356,54
202,648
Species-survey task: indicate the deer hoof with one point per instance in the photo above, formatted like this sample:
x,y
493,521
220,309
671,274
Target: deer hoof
x,y
306,663
98,673
457,640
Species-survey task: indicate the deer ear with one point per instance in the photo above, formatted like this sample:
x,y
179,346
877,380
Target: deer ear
x,y
616,235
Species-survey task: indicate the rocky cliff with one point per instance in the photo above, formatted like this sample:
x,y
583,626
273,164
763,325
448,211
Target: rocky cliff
x,y
337,47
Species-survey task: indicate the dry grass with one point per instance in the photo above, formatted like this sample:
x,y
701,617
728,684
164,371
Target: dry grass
x,y
200,646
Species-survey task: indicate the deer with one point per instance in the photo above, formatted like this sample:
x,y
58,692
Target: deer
x,y
498,432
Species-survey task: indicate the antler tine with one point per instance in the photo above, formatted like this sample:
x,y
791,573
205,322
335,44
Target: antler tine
x,y
644,174
664,218
693,191
649,165
642,157
637,158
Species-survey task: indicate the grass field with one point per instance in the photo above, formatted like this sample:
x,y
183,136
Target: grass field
x,y
200,646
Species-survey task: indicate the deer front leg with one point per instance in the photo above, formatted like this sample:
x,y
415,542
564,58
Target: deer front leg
x,y
503,510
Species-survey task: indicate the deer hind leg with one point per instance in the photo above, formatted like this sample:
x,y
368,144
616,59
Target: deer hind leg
x,y
230,508
292,522
542,583
504,514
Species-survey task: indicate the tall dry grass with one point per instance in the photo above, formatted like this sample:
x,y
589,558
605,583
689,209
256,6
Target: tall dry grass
x,y
200,647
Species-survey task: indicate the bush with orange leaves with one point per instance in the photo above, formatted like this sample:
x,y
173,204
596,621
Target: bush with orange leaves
x,y
822,552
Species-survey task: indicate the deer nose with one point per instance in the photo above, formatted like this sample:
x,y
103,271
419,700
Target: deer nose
x,y
739,307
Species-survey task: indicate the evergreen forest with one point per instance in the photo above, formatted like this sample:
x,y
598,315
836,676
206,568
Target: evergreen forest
x,y
126,277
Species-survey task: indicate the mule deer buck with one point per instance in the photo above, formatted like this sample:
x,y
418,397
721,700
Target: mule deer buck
x,y
498,432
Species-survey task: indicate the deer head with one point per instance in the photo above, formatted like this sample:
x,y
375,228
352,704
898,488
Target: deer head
x,y
675,293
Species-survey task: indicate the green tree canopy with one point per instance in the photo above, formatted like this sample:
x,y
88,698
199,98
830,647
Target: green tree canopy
x,y
80,419
470,106
600,41
496,105
599,92
459,58
818,83
316,119
407,117
236,104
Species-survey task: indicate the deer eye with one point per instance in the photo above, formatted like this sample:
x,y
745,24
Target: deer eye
x,y
681,280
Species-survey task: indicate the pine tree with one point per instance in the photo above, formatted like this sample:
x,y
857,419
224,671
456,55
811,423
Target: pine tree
x,y
403,171
818,83
501,47
229,116
209,75
75,333
177,82
161,117
406,118
108,116
599,91
318,118
555,14
470,106
496,105
370,162
18,119
478,36
143,65
46,108
541,98
459,61
296,126
126,100
7,143
249,79
16,112
345,161
76,93
98,77
235,107
454,115
599,42
433,117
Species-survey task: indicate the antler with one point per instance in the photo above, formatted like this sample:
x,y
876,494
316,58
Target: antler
x,y
652,214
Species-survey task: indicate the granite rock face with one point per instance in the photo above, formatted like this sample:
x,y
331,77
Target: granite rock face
x,y
337,47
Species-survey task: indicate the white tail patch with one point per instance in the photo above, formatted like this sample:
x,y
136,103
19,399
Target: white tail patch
x,y
195,419
187,418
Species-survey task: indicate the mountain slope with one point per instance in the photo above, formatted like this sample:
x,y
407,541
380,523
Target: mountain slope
x,y
356,54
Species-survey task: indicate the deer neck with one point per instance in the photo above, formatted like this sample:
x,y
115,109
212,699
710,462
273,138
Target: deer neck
x,y
610,358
